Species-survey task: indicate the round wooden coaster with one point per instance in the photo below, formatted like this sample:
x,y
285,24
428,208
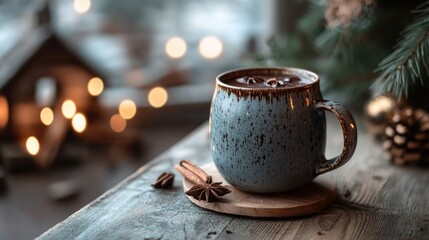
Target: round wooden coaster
x,y
306,200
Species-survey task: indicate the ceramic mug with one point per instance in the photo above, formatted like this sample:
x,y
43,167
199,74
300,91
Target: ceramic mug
x,y
268,129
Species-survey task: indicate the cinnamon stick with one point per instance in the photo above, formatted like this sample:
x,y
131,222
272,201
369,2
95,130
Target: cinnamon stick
x,y
196,170
189,175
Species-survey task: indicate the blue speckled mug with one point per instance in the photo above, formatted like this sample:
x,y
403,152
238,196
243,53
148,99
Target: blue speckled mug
x,y
268,134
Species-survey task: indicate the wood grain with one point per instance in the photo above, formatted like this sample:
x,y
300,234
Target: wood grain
x,y
376,201
306,200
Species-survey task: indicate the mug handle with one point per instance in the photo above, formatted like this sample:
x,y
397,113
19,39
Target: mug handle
x,y
349,134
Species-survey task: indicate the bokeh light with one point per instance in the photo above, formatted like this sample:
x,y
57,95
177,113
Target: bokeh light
x,y
68,109
210,47
157,97
32,145
175,47
127,109
117,123
95,86
47,116
4,112
380,104
82,6
79,122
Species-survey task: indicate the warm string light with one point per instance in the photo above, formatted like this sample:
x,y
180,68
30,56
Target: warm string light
x,y
157,97
210,47
79,122
127,109
68,109
381,104
117,123
175,47
4,112
32,145
95,86
82,6
47,116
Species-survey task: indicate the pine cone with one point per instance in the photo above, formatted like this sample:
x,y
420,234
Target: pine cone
x,y
407,137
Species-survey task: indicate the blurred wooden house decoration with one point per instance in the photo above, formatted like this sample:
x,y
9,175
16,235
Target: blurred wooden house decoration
x,y
46,89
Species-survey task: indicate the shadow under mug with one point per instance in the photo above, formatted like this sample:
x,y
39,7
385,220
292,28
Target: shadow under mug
x,y
268,140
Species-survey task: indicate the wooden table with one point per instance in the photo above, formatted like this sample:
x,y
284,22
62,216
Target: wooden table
x,y
376,201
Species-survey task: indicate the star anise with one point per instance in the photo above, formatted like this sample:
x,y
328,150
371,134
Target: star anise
x,y
204,189
253,79
165,180
208,192
274,82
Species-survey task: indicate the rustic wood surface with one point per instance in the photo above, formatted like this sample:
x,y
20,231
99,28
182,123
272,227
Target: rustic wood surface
x,y
376,201
306,200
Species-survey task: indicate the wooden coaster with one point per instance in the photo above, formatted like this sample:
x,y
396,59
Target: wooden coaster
x,y
306,200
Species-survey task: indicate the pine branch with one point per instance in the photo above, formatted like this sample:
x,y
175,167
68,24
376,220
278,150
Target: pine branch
x,y
345,42
313,22
409,62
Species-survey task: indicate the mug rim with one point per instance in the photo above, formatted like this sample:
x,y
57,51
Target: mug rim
x,y
314,82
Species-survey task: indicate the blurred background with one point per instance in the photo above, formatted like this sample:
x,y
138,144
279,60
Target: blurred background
x,y
91,90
